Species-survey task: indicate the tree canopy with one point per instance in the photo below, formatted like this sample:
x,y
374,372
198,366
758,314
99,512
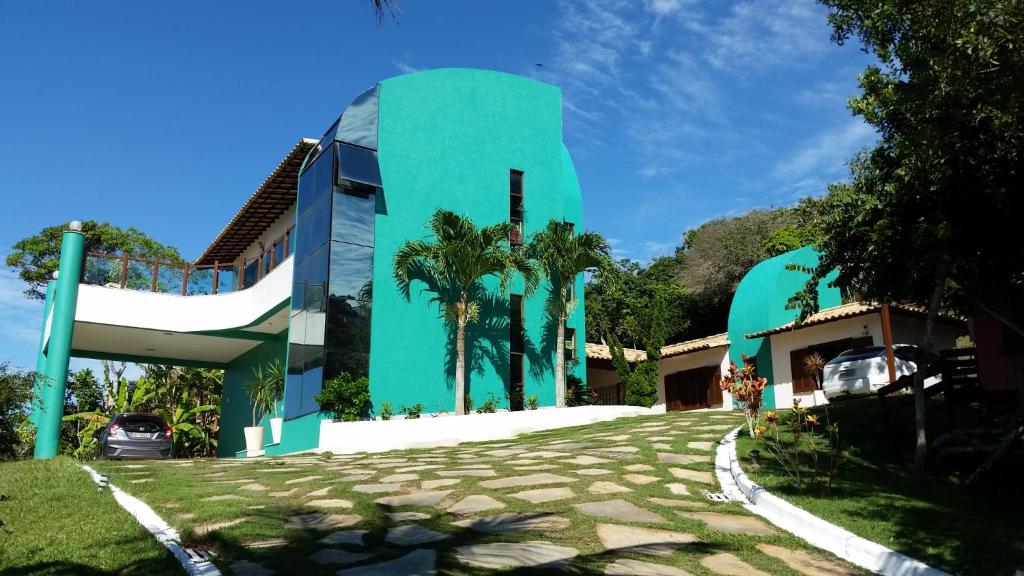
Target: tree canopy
x,y
938,197
37,257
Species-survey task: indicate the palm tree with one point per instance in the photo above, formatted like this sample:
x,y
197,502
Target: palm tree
x,y
562,254
453,267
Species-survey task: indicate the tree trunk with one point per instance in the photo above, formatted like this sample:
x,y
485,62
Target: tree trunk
x,y
560,365
111,382
460,367
921,446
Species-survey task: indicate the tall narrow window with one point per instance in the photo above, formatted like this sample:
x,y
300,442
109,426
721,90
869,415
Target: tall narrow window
x,y
516,207
570,344
516,349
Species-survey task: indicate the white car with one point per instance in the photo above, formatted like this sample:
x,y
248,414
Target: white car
x,y
864,370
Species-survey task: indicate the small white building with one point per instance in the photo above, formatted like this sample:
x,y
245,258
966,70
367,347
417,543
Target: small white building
x,y
690,372
833,330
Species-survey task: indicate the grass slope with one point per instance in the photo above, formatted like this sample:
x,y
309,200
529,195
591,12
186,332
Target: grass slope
x,y
976,531
57,522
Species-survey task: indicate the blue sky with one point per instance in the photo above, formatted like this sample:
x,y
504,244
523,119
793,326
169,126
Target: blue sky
x,y
167,116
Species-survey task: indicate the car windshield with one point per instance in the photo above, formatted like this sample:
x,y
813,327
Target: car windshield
x,y
859,354
142,423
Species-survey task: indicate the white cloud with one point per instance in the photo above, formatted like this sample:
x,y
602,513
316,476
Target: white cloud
x,y
759,34
665,7
827,153
405,67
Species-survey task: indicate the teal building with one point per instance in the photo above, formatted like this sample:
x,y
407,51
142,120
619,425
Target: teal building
x,y
303,273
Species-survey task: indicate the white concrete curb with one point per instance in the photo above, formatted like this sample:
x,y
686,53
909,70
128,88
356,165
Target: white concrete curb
x,y
161,530
818,532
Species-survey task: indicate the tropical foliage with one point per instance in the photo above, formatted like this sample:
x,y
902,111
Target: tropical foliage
x,y
947,99
746,389
36,257
347,397
15,393
453,266
562,255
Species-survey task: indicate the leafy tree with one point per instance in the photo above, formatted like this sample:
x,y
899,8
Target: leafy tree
x,y
618,296
15,394
641,378
83,391
453,267
947,99
37,257
562,255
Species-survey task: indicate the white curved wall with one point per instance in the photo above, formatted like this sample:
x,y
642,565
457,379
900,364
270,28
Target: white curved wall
x,y
176,313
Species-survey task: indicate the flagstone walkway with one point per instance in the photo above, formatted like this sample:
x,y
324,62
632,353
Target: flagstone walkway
x,y
621,498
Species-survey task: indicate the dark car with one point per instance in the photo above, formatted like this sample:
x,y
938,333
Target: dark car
x,y
136,435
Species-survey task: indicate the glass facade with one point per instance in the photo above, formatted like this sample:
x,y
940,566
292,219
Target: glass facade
x,y
332,294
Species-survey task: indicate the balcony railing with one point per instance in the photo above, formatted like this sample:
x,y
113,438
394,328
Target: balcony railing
x,y
152,275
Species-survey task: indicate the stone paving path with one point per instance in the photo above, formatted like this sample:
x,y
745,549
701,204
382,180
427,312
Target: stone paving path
x,y
625,500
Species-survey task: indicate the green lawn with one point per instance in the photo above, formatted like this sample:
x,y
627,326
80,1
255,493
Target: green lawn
x,y
262,494
57,522
976,531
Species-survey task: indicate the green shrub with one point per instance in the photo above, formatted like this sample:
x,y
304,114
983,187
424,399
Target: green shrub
x,y
412,412
348,398
468,404
385,410
576,394
531,402
490,406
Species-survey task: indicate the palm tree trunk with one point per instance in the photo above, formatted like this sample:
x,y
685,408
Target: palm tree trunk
x,y
560,365
460,367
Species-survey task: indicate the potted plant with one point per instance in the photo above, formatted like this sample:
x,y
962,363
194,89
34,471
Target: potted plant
x,y
267,389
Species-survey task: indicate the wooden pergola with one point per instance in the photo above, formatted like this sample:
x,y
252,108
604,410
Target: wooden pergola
x,y
272,199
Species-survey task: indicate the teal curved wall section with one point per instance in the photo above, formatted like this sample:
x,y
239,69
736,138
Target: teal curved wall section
x,y
760,304
447,139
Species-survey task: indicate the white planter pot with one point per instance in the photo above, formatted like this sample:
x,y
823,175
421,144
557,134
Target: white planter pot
x,y
253,438
275,429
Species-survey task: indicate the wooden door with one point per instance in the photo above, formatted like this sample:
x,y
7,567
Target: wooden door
x,y
690,389
714,378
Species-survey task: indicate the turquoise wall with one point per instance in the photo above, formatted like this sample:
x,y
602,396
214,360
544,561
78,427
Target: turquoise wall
x,y
760,304
235,406
447,139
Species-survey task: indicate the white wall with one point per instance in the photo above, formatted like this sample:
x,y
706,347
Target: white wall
x,y
711,357
783,344
176,313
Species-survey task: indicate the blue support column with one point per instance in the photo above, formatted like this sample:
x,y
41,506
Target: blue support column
x,y
58,350
37,399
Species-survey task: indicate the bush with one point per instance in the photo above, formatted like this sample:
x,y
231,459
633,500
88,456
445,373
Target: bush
x,y
348,398
490,406
385,410
412,412
531,402
576,394
15,394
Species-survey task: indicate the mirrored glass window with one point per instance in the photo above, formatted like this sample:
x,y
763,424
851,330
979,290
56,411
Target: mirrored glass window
x,y
357,164
351,271
352,218
312,383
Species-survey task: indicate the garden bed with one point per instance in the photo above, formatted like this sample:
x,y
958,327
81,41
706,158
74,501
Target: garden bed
x,y
873,494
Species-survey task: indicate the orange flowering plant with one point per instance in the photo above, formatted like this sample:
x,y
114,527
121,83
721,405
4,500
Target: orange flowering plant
x,y
746,388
